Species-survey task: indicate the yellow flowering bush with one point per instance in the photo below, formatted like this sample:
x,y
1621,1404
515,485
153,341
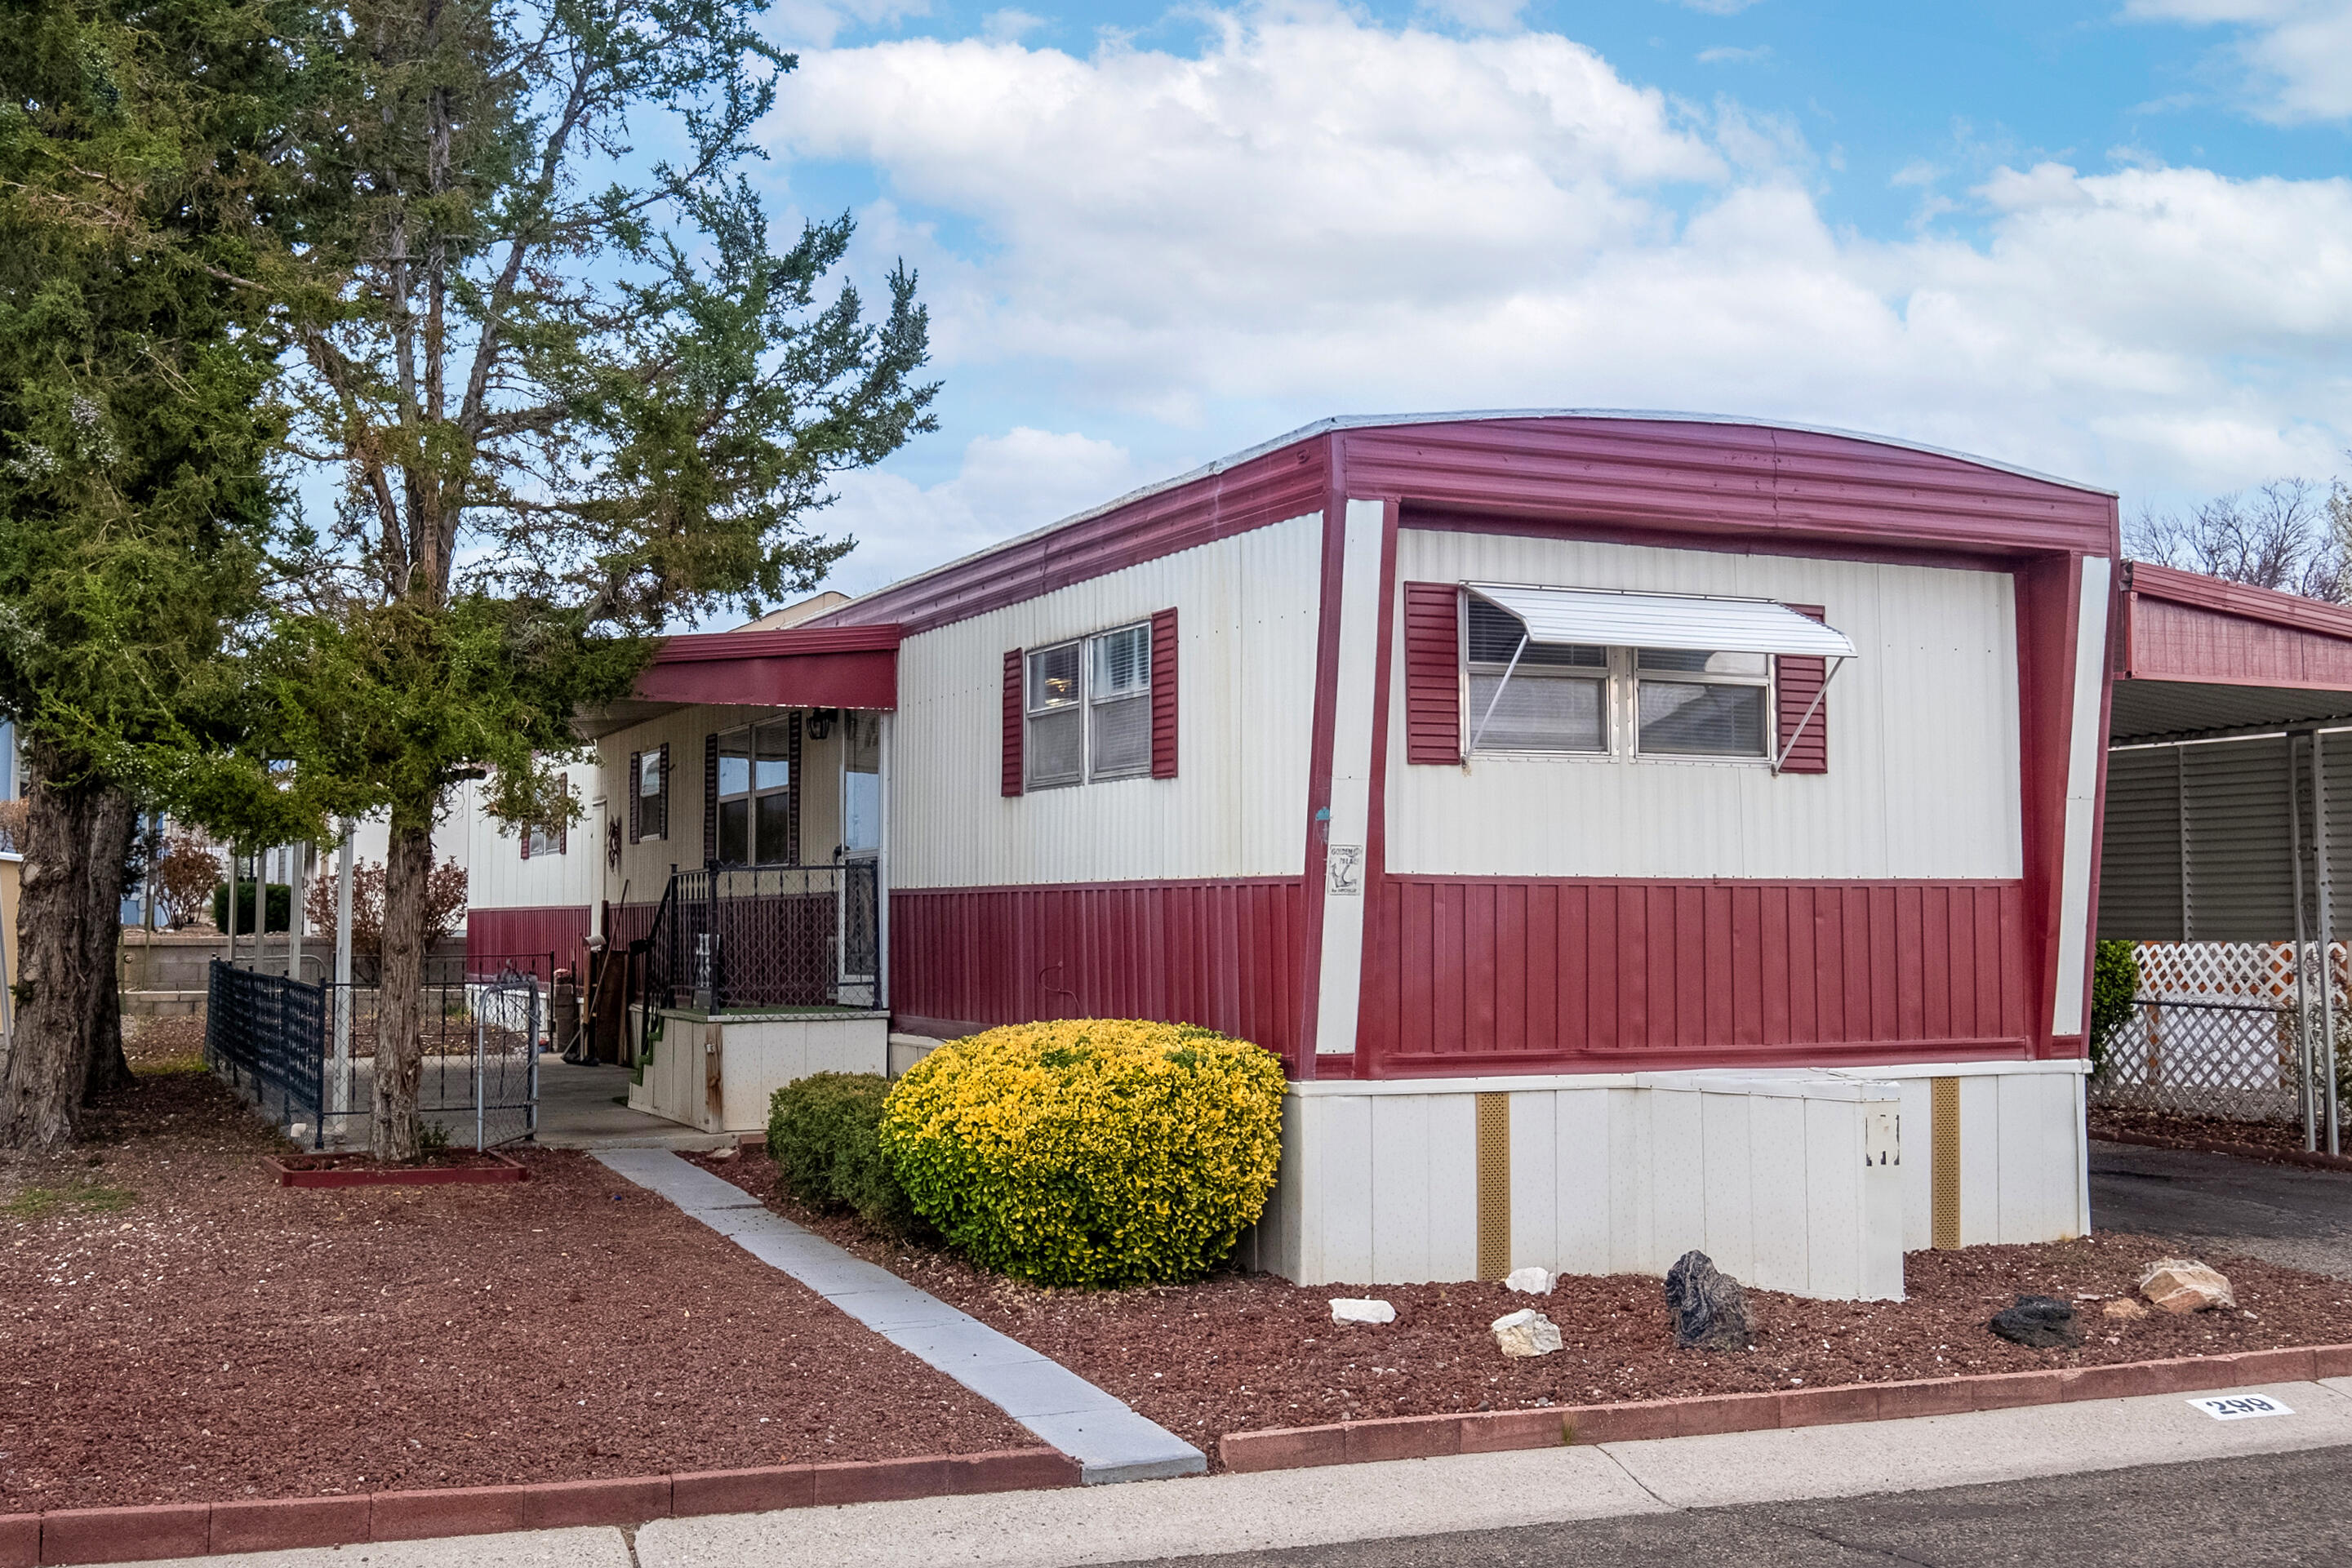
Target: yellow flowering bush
x,y
1089,1151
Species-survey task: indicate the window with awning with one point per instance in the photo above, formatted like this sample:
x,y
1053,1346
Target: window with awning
x,y
1605,672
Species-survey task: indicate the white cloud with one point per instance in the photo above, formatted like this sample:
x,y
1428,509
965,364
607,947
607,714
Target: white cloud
x,y
1717,7
1003,26
1727,54
1319,215
2292,61
1008,485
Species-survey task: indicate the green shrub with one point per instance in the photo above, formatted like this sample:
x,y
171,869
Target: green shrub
x,y
822,1136
1089,1151
2114,981
279,903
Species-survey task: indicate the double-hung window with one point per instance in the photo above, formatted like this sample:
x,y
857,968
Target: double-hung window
x,y
755,795
652,795
1088,708
1530,688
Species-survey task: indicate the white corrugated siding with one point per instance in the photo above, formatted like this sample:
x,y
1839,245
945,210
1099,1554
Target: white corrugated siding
x,y
1246,613
1923,779
497,876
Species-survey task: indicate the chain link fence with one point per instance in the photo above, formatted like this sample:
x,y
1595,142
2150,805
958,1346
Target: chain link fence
x,y
2229,1031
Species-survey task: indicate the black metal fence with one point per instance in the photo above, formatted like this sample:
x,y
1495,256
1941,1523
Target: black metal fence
x,y
738,938
305,1055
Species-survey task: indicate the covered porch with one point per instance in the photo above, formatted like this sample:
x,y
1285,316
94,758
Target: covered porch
x,y
742,938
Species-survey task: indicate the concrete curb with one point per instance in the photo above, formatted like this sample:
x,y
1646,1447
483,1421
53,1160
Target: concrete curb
x,y
202,1530
1430,1436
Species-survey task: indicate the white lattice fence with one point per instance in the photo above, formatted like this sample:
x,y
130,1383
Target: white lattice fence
x,y
2214,1031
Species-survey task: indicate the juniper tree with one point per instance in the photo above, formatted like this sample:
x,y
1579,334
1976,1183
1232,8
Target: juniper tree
x,y
136,140
572,393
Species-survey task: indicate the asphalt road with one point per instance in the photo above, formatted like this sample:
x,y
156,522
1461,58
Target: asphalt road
x,y
2267,1509
2287,1214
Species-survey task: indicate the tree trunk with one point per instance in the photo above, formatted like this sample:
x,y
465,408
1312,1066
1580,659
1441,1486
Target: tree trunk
x,y
399,1044
112,824
47,1062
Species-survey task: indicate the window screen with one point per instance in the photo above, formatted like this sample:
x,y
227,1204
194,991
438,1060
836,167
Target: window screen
x,y
1552,699
1689,719
1057,749
1121,693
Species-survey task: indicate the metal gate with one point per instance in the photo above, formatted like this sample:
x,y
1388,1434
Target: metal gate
x,y
305,1055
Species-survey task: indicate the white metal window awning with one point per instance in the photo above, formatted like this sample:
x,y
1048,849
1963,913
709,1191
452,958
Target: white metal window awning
x,y
1570,616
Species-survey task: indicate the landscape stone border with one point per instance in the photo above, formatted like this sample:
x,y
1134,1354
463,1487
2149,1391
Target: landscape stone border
x,y
267,1524
1480,1432
505,1170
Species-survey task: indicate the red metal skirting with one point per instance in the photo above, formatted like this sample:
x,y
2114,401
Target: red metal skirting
x,y
1223,955
493,934
1520,975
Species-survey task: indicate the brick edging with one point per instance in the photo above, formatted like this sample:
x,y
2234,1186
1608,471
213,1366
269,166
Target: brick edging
x,y
505,1170
2220,1147
1429,1437
263,1524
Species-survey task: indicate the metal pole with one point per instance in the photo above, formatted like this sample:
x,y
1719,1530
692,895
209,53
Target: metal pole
x,y
2302,998
343,970
228,921
298,887
2323,886
882,869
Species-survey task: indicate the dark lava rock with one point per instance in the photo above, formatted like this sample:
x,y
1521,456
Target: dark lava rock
x,y
1710,1310
2039,1323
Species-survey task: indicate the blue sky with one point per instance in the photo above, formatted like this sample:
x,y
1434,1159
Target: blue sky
x,y
2113,242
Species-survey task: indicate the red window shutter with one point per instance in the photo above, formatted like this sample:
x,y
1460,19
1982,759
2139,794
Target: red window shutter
x,y
667,835
710,799
564,824
1011,784
637,764
1163,694
1797,680
1432,673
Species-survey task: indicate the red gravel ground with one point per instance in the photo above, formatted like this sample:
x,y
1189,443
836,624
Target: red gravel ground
x,y
175,1326
2108,1120
1241,1351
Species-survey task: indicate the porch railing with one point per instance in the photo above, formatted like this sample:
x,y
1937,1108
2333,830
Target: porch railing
x,y
738,938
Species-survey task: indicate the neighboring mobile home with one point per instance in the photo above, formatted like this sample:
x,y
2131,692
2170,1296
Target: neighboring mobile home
x,y
1634,832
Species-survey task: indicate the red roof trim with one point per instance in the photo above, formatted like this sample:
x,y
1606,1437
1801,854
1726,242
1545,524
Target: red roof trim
x,y
1809,491
2269,606
694,646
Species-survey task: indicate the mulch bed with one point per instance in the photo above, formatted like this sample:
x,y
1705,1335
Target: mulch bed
x,y
1241,1351
175,1326
2188,1131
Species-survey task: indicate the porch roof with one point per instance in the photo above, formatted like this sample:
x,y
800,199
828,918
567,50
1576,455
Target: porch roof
x,y
2196,657
792,666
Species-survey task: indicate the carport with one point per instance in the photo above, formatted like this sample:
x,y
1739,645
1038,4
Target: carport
x,y
2226,817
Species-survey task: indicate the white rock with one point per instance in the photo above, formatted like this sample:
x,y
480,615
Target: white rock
x,y
2181,1285
1529,1282
1357,1310
1526,1333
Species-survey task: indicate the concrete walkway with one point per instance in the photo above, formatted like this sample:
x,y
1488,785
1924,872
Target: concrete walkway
x,y
1293,1510
587,1108
2289,1214
1110,1442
